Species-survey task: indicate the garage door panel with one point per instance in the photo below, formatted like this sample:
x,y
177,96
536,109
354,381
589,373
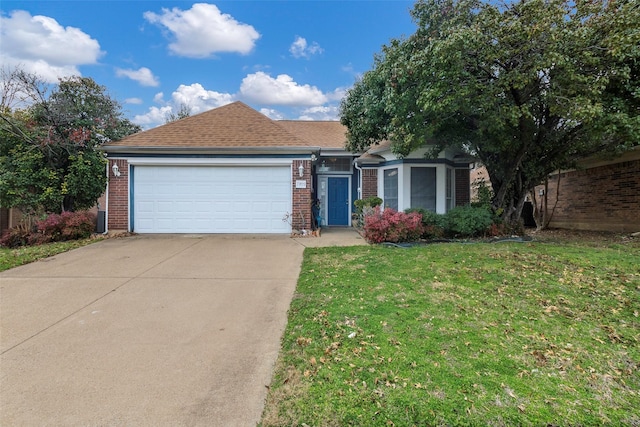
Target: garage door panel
x,y
211,199
203,207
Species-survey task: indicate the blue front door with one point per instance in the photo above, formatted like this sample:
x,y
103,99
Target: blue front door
x,y
338,201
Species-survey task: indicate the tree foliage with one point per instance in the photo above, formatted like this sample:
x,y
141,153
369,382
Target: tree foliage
x,y
528,87
183,112
49,143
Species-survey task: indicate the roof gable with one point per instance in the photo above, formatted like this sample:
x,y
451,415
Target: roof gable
x,y
234,125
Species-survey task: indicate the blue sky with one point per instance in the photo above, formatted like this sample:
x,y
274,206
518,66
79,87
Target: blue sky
x,y
288,59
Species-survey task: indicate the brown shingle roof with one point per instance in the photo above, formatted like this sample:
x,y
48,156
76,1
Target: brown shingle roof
x,y
325,134
234,125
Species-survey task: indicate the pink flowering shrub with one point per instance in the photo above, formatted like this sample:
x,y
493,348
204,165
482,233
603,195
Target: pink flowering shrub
x,y
392,226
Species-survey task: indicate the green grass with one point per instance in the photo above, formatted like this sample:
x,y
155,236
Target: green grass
x,y
10,258
453,334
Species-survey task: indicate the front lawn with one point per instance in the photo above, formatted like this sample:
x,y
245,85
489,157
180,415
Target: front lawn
x,y
10,258
462,334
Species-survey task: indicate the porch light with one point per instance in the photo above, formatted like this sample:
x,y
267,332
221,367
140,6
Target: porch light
x,y
301,169
115,169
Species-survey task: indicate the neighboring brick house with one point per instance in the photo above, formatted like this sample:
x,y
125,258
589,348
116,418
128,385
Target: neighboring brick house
x,y
234,170
9,218
600,195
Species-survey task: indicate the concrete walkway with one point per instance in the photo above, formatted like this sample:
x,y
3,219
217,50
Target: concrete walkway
x,y
333,236
148,330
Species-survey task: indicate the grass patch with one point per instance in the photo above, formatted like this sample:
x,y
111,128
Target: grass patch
x,y
10,258
454,334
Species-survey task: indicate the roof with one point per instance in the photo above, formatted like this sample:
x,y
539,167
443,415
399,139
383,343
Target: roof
x,y
235,126
325,134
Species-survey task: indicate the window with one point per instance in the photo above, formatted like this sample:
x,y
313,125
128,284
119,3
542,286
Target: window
x,y
449,189
423,188
391,188
334,164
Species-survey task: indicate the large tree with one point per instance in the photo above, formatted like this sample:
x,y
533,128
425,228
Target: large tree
x,y
49,142
528,87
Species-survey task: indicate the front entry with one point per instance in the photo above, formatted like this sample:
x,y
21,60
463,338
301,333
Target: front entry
x,y
338,201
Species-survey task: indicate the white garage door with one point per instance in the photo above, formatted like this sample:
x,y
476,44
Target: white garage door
x,y
211,199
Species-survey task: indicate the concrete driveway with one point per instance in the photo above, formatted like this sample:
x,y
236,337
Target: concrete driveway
x,y
171,330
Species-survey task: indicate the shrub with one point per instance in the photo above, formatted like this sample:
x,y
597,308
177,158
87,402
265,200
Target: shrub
x,y
68,225
392,226
433,224
468,221
54,228
484,193
372,201
364,207
499,228
15,237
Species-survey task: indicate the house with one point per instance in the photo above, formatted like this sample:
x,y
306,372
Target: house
x,y
9,218
234,170
599,195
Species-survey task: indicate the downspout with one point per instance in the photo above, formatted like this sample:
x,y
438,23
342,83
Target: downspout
x,y
359,169
106,204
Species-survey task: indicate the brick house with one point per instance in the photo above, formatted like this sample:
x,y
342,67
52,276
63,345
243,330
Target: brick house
x,y
234,170
599,195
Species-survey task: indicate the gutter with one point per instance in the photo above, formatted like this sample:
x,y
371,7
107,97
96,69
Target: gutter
x,y
117,149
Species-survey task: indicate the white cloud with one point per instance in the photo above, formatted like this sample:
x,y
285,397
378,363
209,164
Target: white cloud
x,y
203,30
143,75
321,113
300,49
154,117
264,89
199,99
272,114
134,101
40,45
159,98
194,96
337,94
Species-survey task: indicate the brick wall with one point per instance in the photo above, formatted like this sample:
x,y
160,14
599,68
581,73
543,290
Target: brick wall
x,y
369,185
605,198
463,187
118,214
301,199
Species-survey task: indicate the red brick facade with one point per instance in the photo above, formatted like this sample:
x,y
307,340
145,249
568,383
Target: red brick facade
x,y
118,197
463,187
604,198
118,203
369,185
301,197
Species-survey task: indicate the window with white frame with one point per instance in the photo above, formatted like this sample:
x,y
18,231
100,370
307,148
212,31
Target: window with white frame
x,y
391,188
423,188
450,200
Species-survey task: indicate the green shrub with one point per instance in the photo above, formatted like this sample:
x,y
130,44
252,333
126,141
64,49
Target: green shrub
x,y
433,224
372,202
468,221
484,193
365,207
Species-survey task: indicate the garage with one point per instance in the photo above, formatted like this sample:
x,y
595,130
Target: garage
x,y
210,199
